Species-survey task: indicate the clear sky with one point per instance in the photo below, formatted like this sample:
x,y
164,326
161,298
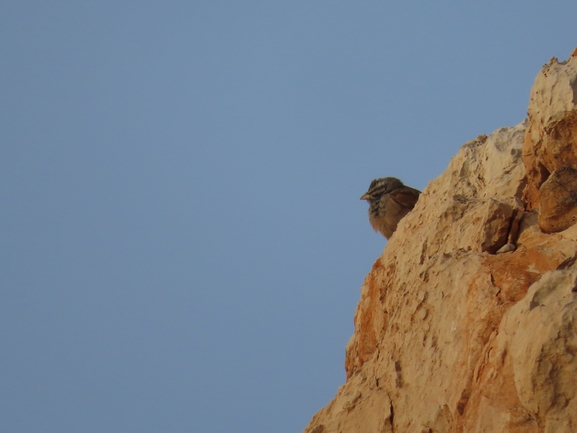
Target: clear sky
x,y
182,242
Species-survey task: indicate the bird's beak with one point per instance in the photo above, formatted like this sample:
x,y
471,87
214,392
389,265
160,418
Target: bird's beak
x,y
366,196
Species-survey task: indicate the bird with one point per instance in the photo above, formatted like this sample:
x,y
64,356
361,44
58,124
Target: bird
x,y
389,201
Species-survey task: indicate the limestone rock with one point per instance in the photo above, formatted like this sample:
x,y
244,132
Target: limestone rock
x,y
551,139
558,200
451,337
500,225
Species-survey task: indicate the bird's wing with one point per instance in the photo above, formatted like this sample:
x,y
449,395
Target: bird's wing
x,y
406,196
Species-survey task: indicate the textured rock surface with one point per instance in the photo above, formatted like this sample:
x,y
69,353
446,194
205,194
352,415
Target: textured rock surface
x,y
551,139
558,200
451,337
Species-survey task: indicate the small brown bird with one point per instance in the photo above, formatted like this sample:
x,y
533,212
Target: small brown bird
x,y
389,201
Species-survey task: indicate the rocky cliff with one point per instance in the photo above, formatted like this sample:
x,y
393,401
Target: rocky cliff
x,y
468,321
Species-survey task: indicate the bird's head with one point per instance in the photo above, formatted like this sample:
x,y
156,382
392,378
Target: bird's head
x,y
381,186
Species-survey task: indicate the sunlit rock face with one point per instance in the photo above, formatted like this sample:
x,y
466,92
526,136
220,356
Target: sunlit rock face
x,y
551,138
467,322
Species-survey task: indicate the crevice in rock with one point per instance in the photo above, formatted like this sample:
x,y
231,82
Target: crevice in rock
x,y
392,418
543,174
462,403
567,263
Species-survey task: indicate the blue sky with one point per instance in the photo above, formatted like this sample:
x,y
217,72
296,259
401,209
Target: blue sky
x,y
182,242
